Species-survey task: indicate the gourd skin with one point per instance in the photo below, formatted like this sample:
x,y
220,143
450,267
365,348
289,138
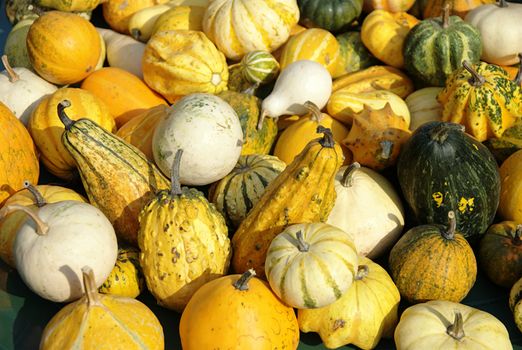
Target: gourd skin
x,y
126,278
423,106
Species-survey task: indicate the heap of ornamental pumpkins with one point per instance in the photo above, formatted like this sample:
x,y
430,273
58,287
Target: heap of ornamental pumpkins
x,y
264,169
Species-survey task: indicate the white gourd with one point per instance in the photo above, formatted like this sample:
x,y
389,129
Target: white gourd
x,y
423,106
123,51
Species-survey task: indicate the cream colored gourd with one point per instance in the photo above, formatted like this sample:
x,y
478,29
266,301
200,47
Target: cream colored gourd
x,y
300,81
304,268
368,207
21,90
209,132
423,106
56,242
500,28
123,51
441,324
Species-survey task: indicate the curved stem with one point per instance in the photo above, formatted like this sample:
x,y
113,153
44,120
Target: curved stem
x,y
251,90
39,199
89,285
452,226
327,140
456,330
317,116
517,238
386,149
175,187
302,245
242,282
41,227
518,78
347,179
362,272
135,33
445,14
10,71
67,122
476,79
503,3
261,120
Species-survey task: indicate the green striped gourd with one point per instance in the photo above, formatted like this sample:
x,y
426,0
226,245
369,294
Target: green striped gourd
x,y
311,265
435,47
353,52
117,177
239,191
332,15
259,67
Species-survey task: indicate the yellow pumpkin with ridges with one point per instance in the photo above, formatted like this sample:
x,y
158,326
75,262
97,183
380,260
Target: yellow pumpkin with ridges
x,y
126,278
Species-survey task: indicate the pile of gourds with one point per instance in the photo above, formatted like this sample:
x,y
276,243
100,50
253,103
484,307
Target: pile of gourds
x,y
241,160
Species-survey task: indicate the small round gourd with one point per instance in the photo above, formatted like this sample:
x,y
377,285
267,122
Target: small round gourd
x,y
209,132
102,319
311,265
259,67
332,15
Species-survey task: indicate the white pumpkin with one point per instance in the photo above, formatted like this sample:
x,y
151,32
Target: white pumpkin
x,y
368,207
123,51
500,27
311,265
423,106
209,132
56,241
21,90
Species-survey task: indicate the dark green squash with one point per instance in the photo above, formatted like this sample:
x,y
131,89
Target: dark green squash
x,y
441,168
500,253
353,52
437,46
332,15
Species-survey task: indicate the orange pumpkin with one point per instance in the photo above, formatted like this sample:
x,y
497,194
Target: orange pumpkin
x,y
47,129
63,47
18,159
125,94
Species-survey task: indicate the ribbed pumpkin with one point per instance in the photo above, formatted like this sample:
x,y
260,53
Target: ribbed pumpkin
x,y
441,168
180,62
126,278
436,47
383,33
510,206
433,262
47,129
354,55
140,129
238,312
85,323
183,241
311,265
238,27
19,161
332,15
63,47
500,253
459,8
295,137
363,315
423,106
31,196
309,178
247,107
482,98
237,193
314,44
123,93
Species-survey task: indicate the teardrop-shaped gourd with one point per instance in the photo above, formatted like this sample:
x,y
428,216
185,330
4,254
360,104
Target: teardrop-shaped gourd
x,y
86,322
126,278
183,241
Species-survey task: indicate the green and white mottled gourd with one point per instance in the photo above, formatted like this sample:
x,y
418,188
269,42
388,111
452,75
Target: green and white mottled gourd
x,y
441,168
239,191
259,67
353,52
435,47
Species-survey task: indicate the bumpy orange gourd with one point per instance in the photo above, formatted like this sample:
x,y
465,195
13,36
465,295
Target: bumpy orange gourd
x,y
63,47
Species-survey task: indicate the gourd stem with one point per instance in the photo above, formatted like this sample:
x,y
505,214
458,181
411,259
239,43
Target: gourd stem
x,y
261,120
251,91
503,3
386,148
175,187
347,180
452,226
476,79
517,239
135,33
445,14
39,199
518,78
67,122
242,282
362,272
301,243
10,71
41,227
317,116
89,285
327,140
456,330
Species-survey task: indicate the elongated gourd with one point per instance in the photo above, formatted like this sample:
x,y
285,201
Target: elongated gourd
x,y
303,192
117,177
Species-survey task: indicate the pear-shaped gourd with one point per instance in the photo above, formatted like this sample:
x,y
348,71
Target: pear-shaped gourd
x,y
21,90
98,321
56,241
300,81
